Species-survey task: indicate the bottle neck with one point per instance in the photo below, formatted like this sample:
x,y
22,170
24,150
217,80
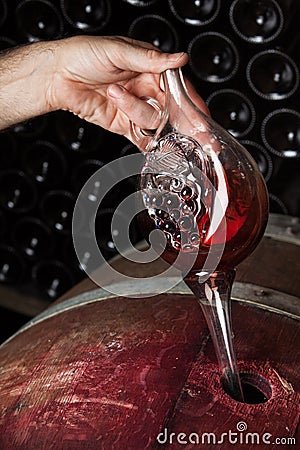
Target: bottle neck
x,y
173,82
177,98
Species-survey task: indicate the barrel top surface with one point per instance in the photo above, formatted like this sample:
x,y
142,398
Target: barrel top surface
x,y
257,296
274,264
99,370
115,373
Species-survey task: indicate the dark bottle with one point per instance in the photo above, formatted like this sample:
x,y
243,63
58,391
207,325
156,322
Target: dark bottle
x,y
32,128
281,133
83,171
12,265
273,75
213,57
77,134
33,238
6,43
87,15
57,210
3,12
123,166
98,184
258,21
232,110
3,223
288,5
17,192
276,205
292,48
195,12
114,231
8,150
53,278
140,3
261,157
93,179
290,11
88,181
156,30
85,259
38,20
44,163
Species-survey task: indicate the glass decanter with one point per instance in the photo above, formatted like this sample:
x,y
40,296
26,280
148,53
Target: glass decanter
x,y
204,191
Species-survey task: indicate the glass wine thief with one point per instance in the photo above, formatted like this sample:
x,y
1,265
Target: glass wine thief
x,y
206,194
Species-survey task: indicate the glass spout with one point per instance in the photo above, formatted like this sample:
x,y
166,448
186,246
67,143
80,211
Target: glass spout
x,y
214,298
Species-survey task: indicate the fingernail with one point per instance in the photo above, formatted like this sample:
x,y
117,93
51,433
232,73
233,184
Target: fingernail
x,y
176,56
116,91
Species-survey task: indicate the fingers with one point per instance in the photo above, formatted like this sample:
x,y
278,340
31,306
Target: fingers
x,y
139,56
136,109
152,61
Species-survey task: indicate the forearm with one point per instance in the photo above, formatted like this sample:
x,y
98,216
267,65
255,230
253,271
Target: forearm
x,y
75,74
25,76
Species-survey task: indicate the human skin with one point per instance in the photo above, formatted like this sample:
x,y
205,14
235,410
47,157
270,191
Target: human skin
x,y
100,79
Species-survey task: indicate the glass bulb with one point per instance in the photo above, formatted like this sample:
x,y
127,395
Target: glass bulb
x,y
205,193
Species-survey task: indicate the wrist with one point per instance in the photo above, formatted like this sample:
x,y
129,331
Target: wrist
x,y
26,75
44,72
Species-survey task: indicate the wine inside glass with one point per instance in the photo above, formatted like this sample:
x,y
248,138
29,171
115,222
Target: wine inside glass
x,y
206,194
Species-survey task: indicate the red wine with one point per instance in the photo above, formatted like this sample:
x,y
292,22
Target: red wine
x,y
185,210
242,225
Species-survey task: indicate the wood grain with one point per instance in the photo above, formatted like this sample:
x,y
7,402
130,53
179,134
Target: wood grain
x,y
116,373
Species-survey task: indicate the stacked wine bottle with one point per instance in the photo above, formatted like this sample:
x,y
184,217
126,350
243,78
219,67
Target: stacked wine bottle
x,y
243,60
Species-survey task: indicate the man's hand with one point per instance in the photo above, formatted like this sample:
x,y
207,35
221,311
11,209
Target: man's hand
x,y
101,79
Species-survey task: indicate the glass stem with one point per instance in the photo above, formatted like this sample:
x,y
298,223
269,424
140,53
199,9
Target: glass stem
x,y
214,296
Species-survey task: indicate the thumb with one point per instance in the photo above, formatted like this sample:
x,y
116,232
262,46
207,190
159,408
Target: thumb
x,y
139,58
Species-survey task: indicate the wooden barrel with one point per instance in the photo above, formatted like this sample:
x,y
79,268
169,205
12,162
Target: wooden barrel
x,y
97,371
